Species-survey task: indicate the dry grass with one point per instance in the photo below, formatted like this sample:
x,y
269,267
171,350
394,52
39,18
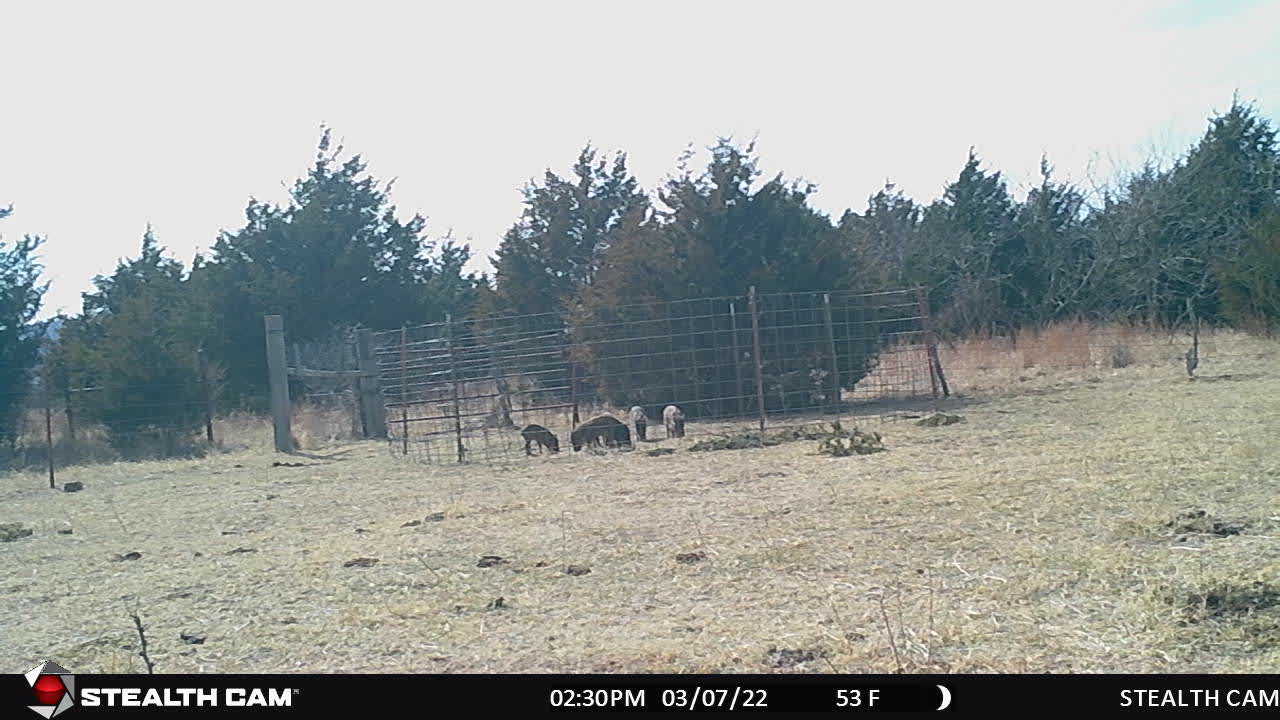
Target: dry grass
x,y
1049,532
1074,351
318,426
314,427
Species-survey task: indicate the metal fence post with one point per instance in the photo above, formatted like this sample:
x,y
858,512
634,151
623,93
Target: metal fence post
x,y
453,376
48,425
574,418
68,411
737,356
500,385
404,379
755,339
835,359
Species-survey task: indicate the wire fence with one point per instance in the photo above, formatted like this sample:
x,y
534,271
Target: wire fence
x,y
60,420
465,390
462,391
58,423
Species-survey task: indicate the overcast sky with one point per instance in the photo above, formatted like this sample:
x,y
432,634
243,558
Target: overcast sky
x,y
116,114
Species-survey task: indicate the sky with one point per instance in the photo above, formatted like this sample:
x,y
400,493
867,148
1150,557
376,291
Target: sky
x,y
116,115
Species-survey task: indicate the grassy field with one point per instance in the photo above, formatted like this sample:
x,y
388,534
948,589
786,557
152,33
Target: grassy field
x,y
1080,519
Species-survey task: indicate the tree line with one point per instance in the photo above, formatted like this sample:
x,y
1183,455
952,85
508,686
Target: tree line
x,y
587,245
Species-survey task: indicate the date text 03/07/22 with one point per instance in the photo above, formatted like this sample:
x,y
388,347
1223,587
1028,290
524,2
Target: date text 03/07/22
x,y
680,698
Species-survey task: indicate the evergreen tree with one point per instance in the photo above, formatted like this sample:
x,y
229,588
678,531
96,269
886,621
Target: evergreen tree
x,y
567,224
649,320
974,251
1170,232
21,293
1050,260
886,240
135,345
335,256
728,234
1229,181
1128,229
553,252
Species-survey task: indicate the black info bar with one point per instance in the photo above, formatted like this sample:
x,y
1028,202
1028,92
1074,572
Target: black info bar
x,y
522,695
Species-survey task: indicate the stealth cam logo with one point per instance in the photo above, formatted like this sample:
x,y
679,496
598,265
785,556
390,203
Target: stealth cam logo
x,y
54,687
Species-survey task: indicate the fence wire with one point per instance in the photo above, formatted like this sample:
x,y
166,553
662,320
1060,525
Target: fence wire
x,y
462,391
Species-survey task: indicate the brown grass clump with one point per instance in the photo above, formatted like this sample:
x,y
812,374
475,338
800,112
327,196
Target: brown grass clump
x,y
1062,345
1035,537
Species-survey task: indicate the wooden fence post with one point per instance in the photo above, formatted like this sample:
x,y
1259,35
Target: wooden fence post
x,y
373,409
278,373
755,339
202,361
831,346
936,376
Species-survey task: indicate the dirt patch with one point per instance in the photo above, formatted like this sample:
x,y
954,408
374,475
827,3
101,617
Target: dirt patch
x,y
786,658
940,419
1203,522
1225,600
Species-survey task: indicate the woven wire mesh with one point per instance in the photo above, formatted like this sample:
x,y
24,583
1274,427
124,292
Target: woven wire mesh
x,y
462,391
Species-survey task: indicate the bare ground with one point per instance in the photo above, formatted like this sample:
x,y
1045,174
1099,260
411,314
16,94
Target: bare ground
x,y
1091,520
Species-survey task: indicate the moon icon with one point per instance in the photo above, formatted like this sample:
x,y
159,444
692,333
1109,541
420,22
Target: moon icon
x,y
946,697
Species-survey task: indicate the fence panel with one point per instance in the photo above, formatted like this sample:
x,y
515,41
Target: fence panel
x,y
462,390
